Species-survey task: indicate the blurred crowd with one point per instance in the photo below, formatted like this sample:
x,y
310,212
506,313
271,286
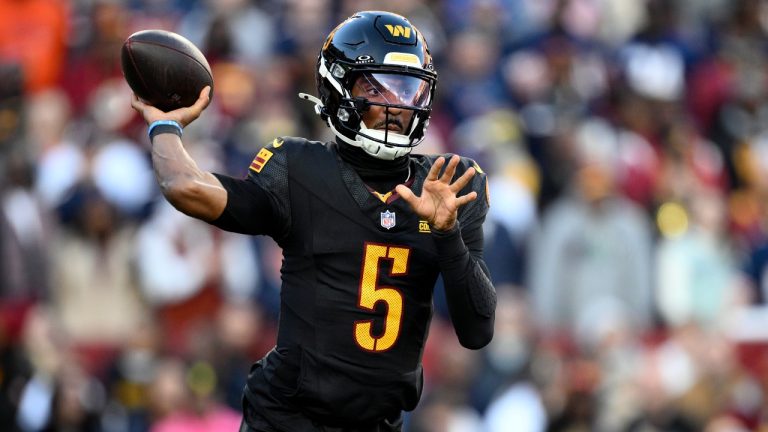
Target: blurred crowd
x,y
626,144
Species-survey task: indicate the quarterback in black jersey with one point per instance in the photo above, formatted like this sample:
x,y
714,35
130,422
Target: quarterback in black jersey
x,y
365,227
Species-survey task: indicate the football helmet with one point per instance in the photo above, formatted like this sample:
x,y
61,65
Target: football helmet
x,y
388,58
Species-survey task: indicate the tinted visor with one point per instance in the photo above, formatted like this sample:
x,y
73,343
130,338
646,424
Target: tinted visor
x,y
394,89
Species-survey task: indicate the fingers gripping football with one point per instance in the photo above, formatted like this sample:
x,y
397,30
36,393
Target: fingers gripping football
x,y
439,203
183,116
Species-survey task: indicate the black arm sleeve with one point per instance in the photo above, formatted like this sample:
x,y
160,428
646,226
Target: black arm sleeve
x,y
469,292
248,210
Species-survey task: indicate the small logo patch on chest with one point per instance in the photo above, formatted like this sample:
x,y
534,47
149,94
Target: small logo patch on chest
x,y
424,227
388,219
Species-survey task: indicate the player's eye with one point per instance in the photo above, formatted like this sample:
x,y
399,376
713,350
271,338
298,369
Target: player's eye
x,y
369,90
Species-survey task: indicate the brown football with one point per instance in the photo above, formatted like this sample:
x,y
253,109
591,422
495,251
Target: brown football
x,y
165,69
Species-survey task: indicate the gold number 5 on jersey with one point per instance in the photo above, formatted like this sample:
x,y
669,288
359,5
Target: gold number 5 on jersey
x,y
370,294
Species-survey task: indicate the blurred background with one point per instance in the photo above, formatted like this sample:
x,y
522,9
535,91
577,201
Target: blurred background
x,y
626,144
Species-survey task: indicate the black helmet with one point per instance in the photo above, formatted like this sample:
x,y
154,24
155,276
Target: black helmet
x,y
392,56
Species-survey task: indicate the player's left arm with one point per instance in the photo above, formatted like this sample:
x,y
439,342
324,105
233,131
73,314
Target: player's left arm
x,y
458,239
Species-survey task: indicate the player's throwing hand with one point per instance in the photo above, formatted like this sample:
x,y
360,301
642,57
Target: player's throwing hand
x,y
183,116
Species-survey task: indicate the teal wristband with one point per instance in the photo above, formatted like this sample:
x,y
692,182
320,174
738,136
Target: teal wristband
x,y
164,126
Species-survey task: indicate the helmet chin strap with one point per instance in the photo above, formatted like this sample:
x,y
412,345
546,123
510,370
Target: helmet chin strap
x,y
382,150
371,147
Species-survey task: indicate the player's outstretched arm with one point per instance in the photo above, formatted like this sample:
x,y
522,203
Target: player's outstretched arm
x,y
192,191
470,294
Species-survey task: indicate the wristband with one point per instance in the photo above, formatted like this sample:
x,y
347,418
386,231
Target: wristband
x,y
164,126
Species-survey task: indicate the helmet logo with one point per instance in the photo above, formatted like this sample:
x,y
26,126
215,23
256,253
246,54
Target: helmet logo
x,y
364,59
398,30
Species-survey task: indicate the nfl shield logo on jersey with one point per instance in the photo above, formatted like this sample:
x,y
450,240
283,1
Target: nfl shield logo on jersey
x,y
388,219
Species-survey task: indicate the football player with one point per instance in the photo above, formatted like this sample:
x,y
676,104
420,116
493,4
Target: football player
x,y
365,226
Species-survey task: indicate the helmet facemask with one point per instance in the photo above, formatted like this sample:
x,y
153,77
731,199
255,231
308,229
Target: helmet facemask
x,y
405,102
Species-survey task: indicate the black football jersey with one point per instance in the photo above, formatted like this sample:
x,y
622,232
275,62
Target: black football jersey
x,y
358,274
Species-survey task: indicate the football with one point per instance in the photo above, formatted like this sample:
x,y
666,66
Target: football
x,y
164,69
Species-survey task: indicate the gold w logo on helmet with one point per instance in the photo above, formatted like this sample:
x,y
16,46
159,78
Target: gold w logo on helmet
x,y
398,30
